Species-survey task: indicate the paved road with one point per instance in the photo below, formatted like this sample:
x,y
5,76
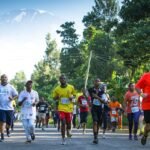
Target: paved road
x,y
51,139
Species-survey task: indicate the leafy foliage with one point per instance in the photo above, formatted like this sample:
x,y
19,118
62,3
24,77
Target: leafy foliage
x,y
19,81
47,70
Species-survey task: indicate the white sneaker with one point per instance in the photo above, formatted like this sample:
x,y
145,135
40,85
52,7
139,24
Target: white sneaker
x,y
43,129
103,136
63,142
69,140
84,132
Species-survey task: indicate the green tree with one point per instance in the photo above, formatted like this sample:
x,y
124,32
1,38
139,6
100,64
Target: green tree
x,y
103,61
70,57
133,34
103,15
19,81
47,70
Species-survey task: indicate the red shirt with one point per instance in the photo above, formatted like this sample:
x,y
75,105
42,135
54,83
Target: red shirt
x,y
144,84
132,100
82,100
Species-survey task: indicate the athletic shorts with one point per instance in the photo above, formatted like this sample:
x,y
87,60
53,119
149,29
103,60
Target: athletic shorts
x,y
42,115
7,116
83,117
147,116
67,116
96,113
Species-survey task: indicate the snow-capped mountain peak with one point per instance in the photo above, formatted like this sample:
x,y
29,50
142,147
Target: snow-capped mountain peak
x,y
19,17
25,15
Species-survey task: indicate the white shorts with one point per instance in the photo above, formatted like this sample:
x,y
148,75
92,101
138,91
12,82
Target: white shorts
x,y
41,116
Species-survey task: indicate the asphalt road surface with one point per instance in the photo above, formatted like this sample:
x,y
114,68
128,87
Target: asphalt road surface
x,y
50,139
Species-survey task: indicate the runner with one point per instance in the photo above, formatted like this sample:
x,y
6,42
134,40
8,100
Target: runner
x,y
132,107
105,109
64,93
143,89
7,94
74,115
14,118
114,107
48,115
27,100
42,107
141,119
96,93
84,102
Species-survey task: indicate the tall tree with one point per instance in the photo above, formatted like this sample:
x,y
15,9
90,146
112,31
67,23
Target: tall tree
x,y
103,15
47,70
133,34
70,53
101,43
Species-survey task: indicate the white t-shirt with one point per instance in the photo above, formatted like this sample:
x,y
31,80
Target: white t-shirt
x,y
27,110
74,109
6,92
105,98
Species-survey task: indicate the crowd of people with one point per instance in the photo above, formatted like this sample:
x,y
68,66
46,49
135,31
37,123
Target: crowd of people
x,y
106,111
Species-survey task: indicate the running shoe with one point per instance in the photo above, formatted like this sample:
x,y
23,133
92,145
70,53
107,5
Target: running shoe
x,y
143,140
95,141
63,142
28,142
32,136
130,137
135,138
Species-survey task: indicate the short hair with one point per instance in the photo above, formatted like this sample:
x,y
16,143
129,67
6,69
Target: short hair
x,y
63,75
130,84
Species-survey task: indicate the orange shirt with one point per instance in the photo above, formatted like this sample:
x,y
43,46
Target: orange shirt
x,y
144,84
132,99
114,106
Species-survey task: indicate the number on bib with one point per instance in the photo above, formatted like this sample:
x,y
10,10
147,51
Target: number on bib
x,y
84,102
96,102
134,109
65,101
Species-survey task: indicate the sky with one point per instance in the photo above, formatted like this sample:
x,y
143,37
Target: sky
x,y
24,25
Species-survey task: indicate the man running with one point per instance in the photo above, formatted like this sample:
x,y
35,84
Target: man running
x,y
132,107
28,99
7,94
96,93
84,102
105,109
42,107
143,89
64,93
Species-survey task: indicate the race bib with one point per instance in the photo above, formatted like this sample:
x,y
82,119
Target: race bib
x,y
135,101
113,119
42,108
28,104
134,109
114,112
96,102
84,102
64,100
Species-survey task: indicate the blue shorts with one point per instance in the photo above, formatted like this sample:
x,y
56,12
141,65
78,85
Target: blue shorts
x,y
7,116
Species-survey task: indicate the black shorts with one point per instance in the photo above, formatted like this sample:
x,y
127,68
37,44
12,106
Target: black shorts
x,y
7,116
147,116
96,113
83,117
